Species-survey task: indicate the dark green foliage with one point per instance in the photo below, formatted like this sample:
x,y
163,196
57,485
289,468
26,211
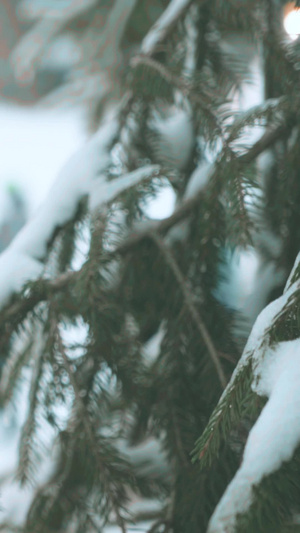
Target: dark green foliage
x,y
140,279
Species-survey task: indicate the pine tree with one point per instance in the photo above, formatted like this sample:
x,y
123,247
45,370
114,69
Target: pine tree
x,y
137,367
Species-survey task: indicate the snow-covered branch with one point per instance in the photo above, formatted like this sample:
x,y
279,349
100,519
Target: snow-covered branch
x,y
276,434
83,176
22,261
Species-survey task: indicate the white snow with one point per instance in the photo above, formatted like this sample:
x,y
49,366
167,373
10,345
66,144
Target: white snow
x,y
71,185
103,192
174,128
296,264
21,260
157,32
15,269
151,348
199,179
276,434
162,205
83,175
274,437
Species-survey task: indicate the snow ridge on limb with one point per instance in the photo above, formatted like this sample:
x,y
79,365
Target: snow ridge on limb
x,y
274,373
84,175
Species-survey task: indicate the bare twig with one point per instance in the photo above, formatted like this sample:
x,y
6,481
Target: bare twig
x,y
267,139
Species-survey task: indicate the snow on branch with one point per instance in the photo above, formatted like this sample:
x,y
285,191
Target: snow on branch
x,y
164,25
83,176
276,434
102,192
30,265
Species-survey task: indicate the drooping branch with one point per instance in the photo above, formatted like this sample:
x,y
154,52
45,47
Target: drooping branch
x,y
188,205
195,315
13,312
89,430
164,25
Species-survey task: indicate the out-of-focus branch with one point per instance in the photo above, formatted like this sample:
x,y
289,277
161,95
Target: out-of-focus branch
x,y
164,25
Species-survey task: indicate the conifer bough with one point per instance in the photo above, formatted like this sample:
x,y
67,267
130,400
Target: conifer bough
x,y
137,379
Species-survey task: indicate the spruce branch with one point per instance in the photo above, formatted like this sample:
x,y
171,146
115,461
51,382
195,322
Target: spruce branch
x,y
85,418
189,301
187,88
27,458
164,25
37,291
178,440
232,405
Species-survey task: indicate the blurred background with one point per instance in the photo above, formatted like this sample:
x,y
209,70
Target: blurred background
x,y
35,140
46,113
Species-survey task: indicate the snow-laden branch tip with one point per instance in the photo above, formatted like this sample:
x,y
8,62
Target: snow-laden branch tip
x,y
164,25
30,264
276,434
84,175
102,192
291,277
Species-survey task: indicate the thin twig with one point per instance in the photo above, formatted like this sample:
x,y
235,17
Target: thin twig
x,y
188,297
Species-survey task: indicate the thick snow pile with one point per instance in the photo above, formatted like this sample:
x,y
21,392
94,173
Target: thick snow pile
x,y
276,434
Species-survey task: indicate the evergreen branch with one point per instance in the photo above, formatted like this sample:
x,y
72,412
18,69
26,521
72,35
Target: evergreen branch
x,y
183,211
41,289
229,411
264,143
85,418
185,86
188,297
164,25
54,490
